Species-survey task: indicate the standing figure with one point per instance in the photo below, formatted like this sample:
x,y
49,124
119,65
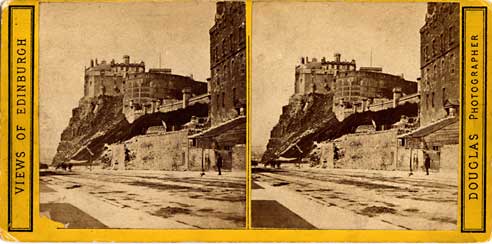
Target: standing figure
x,y
427,163
218,158
416,161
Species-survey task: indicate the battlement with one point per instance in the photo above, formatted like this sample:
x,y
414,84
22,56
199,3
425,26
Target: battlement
x,y
108,78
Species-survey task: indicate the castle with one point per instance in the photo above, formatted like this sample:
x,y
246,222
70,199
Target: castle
x,y
108,78
313,76
353,90
143,92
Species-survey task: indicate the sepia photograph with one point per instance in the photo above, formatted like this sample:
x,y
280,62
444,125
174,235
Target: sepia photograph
x,y
142,114
355,115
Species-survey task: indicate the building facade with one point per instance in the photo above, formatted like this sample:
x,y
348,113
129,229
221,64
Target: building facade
x,y
439,60
108,78
313,76
157,87
356,91
228,62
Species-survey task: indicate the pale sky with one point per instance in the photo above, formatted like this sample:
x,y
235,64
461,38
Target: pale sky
x,y
70,34
285,31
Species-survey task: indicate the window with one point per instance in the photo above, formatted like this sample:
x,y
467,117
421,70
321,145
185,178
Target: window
x,y
234,95
432,99
224,50
218,76
401,142
217,101
226,71
451,35
443,96
223,99
435,148
441,39
243,67
231,42
427,100
434,47
451,63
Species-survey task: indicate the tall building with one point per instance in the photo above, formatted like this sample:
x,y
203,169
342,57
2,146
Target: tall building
x,y
313,76
108,78
439,62
228,62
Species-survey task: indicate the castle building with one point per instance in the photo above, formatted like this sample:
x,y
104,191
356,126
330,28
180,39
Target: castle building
x,y
439,61
228,62
149,90
108,78
356,90
313,76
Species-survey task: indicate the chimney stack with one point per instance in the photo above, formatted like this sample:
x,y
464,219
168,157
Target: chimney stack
x,y
337,57
396,96
126,59
186,96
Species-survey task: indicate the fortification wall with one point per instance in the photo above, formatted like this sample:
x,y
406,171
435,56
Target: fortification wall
x,y
366,151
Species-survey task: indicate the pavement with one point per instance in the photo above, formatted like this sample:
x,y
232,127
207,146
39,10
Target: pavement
x,y
144,199
354,199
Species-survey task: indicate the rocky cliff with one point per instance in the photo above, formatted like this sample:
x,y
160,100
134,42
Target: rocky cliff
x,y
303,118
99,121
309,118
93,118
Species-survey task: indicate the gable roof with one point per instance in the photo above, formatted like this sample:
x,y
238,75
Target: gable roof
x,y
430,128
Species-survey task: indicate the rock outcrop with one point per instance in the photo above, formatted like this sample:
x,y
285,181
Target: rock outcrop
x,y
93,118
309,118
304,117
99,121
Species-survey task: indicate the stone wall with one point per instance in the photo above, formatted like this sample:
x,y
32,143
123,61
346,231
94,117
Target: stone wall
x,y
117,156
198,155
326,155
450,155
366,151
159,152
239,157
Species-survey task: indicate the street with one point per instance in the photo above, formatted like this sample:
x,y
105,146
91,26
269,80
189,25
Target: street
x,y
143,199
309,198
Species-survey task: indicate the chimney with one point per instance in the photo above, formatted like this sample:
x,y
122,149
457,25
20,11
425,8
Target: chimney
x,y
396,96
302,60
92,62
97,62
186,96
337,57
126,59
364,104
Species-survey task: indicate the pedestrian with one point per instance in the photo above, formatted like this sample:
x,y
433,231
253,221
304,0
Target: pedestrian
x,y
416,161
427,163
218,159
